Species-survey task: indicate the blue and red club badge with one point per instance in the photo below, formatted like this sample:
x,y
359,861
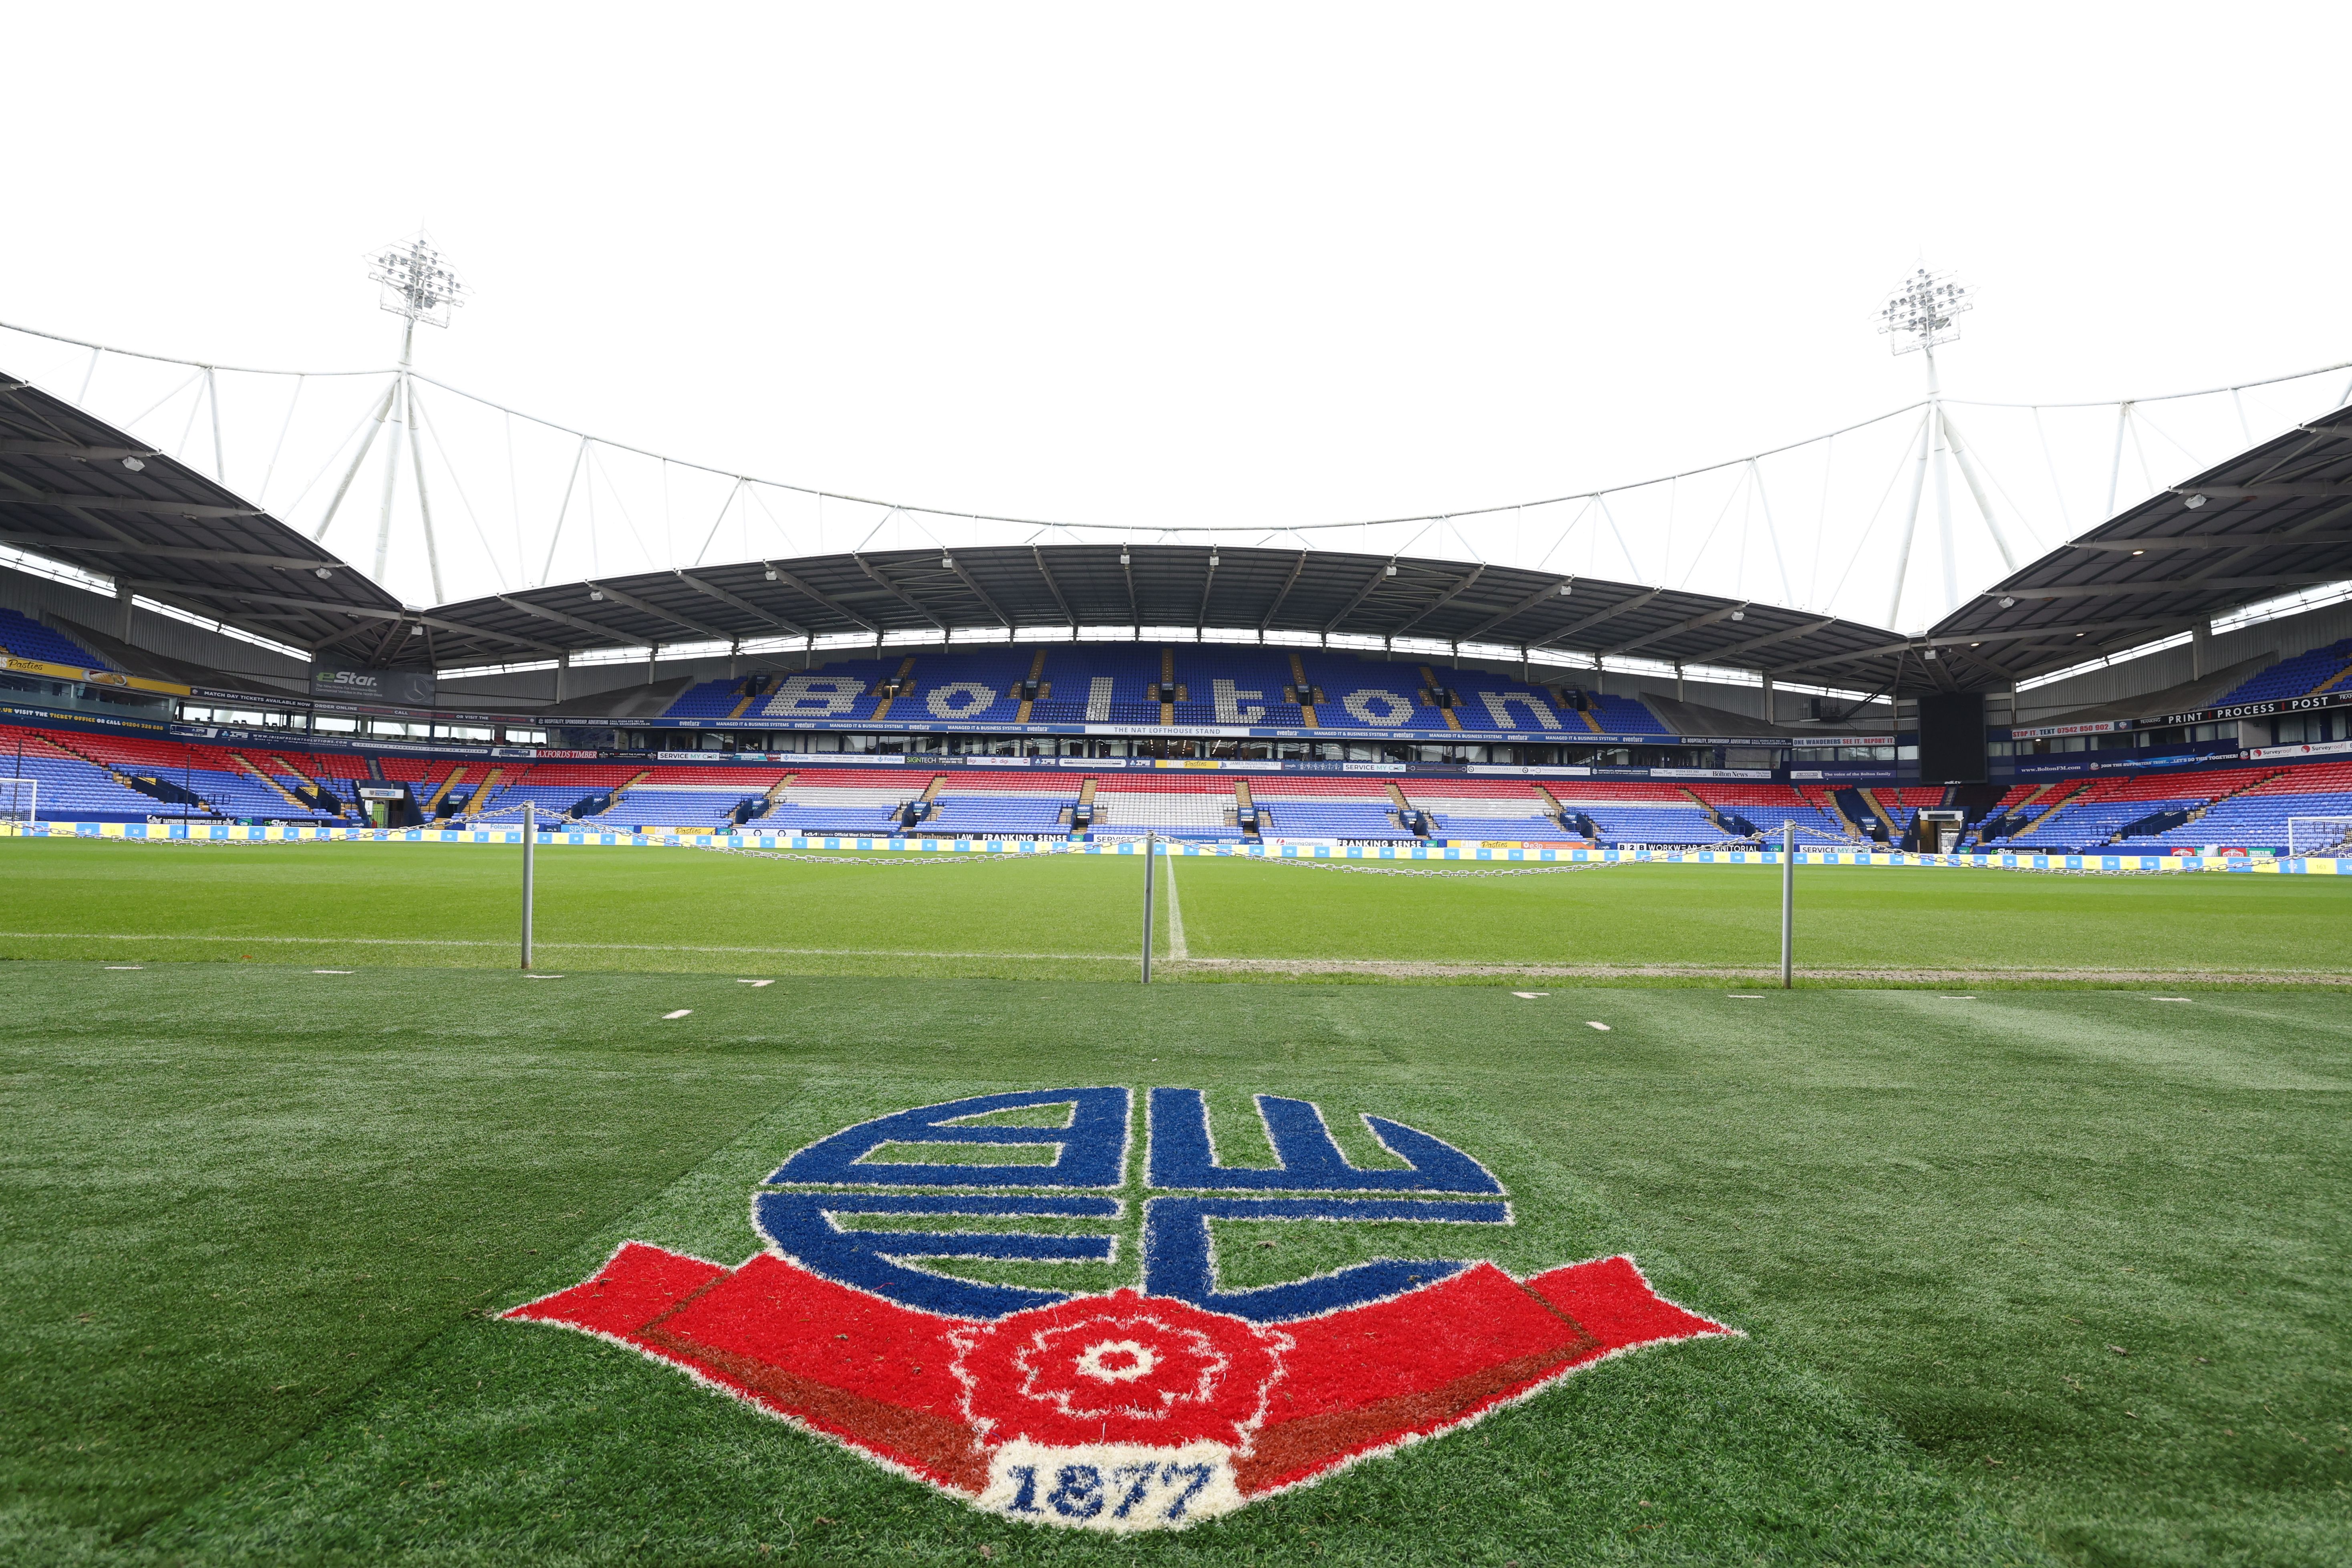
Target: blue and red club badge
x,y
1147,1408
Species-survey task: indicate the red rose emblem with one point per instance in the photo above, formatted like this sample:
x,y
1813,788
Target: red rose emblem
x,y
1123,1368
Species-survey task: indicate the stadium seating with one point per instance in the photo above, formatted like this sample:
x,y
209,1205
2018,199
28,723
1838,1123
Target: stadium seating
x,y
2258,817
101,775
1116,683
714,698
26,638
1184,808
1100,683
2323,669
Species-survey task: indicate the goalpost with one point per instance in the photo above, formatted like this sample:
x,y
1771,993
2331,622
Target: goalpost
x,y
20,800
2317,834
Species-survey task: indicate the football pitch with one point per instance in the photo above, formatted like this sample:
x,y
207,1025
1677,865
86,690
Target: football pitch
x,y
1079,917
2025,1271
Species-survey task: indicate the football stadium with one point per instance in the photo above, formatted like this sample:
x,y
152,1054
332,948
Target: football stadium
x,y
2005,1225
767,1050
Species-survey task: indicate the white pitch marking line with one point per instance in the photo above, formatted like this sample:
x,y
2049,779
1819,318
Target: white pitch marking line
x,y
755,983
331,971
1736,996
681,1012
1530,995
1955,998
126,966
543,977
2172,998
1591,1025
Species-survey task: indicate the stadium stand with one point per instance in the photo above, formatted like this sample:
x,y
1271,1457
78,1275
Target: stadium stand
x,y
2258,814
25,637
1765,806
1178,807
1234,686
2326,668
1098,683
1196,684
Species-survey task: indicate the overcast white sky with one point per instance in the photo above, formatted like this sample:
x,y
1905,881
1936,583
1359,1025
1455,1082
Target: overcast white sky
x,y
1256,264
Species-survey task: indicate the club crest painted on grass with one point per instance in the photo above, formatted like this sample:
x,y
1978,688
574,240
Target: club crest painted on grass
x,y
1147,1407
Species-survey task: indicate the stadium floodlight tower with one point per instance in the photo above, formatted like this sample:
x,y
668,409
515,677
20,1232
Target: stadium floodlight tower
x,y
416,285
1918,315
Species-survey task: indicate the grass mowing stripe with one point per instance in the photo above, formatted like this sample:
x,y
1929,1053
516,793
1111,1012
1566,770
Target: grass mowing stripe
x,y
228,1214
584,946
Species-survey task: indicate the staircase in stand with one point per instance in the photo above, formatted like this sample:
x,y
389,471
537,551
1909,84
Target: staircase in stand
x,y
1304,692
759,690
246,763
2056,806
432,806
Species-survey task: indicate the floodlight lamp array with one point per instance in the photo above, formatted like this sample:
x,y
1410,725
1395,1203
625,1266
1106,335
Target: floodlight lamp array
x,y
1918,315
417,283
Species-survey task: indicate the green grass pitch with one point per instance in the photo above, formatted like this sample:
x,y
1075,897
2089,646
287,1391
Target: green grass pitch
x,y
2044,1274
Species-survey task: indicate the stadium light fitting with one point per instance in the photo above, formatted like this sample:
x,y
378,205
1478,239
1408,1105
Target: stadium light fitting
x,y
596,595
322,573
2192,502
1918,314
133,464
771,574
2008,604
947,562
417,283
1739,614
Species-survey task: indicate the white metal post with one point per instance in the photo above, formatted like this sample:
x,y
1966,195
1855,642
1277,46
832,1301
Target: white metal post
x,y
529,842
1910,524
1787,903
1150,860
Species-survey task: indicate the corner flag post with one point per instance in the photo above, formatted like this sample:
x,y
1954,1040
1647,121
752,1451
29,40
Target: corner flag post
x,y
1150,860
1788,902
529,841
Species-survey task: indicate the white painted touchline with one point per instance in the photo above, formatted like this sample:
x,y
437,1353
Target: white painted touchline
x,y
331,971
1955,998
1530,995
126,966
1736,996
755,983
2172,998
681,1012
1602,1027
543,977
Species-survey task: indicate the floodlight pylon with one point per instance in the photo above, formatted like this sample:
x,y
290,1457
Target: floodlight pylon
x,y
416,284
1916,316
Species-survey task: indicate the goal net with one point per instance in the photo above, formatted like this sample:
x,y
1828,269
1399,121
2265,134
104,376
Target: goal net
x,y
19,799
2317,834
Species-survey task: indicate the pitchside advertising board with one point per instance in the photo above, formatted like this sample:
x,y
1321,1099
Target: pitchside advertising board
x,y
1151,1406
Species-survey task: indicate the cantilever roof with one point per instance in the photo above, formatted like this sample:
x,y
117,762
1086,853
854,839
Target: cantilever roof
x,y
1169,585
2271,520
69,490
